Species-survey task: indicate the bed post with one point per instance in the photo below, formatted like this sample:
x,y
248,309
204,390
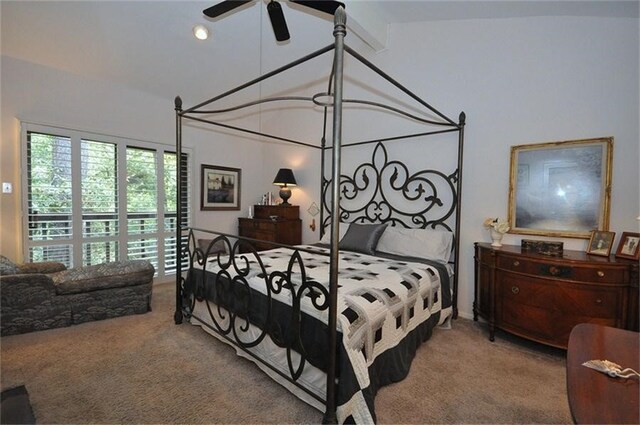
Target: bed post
x,y
461,122
323,147
177,316
339,32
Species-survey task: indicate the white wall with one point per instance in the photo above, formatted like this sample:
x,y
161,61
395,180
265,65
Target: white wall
x,y
518,80
526,81
42,95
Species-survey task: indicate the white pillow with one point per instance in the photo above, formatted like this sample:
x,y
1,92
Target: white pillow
x,y
326,239
422,243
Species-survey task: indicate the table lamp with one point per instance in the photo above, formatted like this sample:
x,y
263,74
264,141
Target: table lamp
x,y
285,178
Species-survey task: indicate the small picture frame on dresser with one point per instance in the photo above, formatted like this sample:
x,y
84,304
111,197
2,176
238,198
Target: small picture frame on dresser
x,y
629,246
600,243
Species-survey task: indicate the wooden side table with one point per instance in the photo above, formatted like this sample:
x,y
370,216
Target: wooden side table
x,y
594,397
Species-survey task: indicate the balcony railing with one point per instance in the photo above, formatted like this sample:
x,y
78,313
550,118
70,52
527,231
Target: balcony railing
x,y
100,237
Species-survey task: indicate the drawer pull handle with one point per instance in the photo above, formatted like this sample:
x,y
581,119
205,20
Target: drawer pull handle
x,y
600,273
598,301
515,290
516,263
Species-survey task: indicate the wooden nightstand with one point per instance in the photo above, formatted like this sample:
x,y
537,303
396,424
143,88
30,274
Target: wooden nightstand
x,y
285,228
542,298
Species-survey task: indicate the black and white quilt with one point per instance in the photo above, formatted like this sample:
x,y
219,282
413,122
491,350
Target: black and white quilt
x,y
387,307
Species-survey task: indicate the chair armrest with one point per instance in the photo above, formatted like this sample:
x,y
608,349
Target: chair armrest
x,y
26,290
41,267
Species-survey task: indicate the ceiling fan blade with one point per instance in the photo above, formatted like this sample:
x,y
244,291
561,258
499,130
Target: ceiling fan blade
x,y
223,7
277,21
326,6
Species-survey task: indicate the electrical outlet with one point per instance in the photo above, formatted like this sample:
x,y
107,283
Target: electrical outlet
x,y
7,187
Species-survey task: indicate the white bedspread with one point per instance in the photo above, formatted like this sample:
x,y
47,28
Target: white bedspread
x,y
380,301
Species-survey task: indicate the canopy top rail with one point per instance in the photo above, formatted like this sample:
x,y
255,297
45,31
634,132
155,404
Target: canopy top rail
x,y
197,112
261,78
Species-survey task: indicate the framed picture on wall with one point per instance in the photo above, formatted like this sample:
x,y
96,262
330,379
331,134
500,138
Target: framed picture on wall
x,y
560,189
600,243
629,246
220,188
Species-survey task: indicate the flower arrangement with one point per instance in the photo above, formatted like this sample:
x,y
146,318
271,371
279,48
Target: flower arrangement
x,y
497,224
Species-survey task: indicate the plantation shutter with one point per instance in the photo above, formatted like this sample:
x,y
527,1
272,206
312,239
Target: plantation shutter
x,y
142,205
49,198
100,225
170,208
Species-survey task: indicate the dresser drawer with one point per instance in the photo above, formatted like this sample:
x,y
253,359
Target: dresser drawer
x,y
252,233
602,274
514,289
586,300
280,231
528,321
556,270
258,225
549,327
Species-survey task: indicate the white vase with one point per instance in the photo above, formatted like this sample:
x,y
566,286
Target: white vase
x,y
496,238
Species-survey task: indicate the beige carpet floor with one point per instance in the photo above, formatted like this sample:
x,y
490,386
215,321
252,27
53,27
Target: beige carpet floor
x,y
145,369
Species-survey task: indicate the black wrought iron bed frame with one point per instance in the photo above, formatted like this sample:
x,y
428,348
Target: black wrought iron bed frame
x,y
378,209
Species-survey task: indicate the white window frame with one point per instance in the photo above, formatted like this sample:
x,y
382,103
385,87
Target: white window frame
x,y
123,237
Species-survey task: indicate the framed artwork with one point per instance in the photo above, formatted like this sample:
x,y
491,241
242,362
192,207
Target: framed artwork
x,y
220,188
600,243
629,246
560,189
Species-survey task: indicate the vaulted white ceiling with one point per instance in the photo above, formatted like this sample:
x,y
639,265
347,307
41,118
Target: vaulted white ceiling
x,y
149,46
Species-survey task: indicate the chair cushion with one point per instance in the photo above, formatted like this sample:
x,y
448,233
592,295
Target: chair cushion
x,y
103,276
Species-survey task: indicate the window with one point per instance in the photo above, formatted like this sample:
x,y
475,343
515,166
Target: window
x,y
93,199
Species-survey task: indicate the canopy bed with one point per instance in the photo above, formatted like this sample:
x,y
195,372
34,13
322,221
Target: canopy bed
x,y
336,320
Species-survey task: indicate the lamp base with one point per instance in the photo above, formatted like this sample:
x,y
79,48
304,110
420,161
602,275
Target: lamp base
x,y
285,194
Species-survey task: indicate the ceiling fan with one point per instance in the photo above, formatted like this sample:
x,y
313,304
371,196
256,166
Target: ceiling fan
x,y
275,12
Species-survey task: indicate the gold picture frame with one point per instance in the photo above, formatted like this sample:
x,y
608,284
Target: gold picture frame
x,y
561,189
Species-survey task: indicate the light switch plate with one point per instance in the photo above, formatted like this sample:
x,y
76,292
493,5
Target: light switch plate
x,y
7,187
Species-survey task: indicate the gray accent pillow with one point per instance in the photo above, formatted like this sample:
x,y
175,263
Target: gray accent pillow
x,y
362,238
7,267
217,247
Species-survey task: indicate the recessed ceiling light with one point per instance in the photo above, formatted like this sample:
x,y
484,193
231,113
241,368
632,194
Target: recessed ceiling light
x,y
201,32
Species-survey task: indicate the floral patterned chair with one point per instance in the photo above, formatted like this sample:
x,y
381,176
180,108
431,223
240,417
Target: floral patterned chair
x,y
38,296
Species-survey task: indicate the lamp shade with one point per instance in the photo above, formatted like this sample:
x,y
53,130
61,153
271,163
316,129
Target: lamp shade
x,y
285,178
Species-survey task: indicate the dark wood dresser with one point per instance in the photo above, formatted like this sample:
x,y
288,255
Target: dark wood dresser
x,y
272,223
542,298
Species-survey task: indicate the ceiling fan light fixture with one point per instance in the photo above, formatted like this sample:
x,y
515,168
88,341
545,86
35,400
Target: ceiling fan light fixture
x,y
200,32
276,15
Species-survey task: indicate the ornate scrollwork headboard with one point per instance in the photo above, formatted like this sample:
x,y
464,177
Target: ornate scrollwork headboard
x,y
386,191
